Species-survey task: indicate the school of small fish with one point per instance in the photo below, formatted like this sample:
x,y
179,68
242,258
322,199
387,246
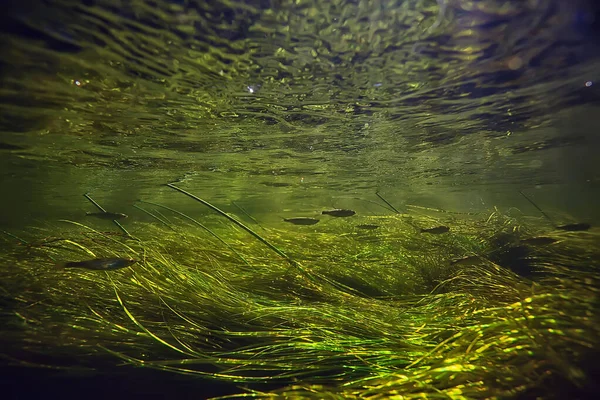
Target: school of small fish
x,y
106,264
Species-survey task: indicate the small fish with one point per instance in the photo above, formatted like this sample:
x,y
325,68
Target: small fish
x,y
106,215
582,226
101,264
301,220
339,212
367,226
276,184
437,230
468,261
538,241
8,146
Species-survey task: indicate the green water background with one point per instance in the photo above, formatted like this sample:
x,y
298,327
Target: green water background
x,y
288,108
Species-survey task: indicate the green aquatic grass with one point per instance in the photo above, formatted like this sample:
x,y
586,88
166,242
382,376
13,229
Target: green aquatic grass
x,y
370,314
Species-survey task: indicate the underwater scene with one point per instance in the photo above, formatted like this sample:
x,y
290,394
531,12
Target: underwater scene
x,y
300,199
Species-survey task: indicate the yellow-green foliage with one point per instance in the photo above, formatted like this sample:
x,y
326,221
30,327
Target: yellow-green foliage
x,y
360,314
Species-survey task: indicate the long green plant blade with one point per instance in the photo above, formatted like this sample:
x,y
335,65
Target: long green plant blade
x,y
154,216
201,226
538,208
387,202
235,221
246,213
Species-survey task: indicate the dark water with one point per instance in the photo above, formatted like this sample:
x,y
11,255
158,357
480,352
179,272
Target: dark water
x,y
126,382
290,106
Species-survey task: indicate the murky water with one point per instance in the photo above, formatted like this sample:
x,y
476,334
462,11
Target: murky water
x,y
284,101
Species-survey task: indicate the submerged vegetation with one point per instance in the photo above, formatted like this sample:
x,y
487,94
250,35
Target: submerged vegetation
x,y
486,309
306,104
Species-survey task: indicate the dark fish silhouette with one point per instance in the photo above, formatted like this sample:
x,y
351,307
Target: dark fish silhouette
x,y
582,226
367,226
301,220
538,241
8,146
106,215
437,230
468,261
339,212
101,264
276,184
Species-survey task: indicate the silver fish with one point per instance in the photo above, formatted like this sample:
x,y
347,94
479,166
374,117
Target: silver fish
x,y
538,241
101,264
437,230
106,215
582,226
468,261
